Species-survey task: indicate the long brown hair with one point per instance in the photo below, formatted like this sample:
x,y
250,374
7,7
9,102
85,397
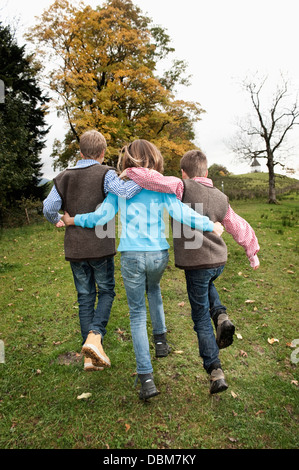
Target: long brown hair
x,y
141,153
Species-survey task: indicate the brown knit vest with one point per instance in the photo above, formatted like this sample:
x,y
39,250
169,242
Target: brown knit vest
x,y
81,191
194,249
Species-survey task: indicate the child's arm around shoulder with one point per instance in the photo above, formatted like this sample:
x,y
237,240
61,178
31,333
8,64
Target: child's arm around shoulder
x,y
186,215
155,181
115,185
103,214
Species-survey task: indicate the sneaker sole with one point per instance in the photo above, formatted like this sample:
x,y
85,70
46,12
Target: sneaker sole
x,y
92,368
162,351
150,395
225,337
91,351
218,386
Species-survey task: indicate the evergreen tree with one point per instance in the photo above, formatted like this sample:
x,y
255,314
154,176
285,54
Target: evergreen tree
x,y
22,125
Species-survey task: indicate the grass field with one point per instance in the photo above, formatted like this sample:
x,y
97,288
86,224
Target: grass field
x,y
43,376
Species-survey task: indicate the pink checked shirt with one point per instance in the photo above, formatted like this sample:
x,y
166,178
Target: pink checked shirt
x,y
240,230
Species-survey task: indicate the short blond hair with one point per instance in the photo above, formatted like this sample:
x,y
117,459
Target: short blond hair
x,y
92,144
194,163
141,153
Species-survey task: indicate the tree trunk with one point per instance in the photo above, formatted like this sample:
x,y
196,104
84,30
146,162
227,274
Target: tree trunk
x,y
272,191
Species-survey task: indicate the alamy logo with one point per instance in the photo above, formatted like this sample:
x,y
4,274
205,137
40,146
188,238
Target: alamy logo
x,y
2,92
149,222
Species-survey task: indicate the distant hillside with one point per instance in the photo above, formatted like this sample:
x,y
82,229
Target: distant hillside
x,y
43,181
252,185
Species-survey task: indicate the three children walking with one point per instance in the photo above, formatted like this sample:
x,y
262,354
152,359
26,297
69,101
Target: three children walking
x,y
144,255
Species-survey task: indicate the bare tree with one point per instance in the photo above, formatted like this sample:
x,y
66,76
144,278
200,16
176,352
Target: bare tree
x,y
263,134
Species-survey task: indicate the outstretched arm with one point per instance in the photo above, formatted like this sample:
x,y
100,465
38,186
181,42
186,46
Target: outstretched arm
x,y
243,234
154,181
105,212
186,215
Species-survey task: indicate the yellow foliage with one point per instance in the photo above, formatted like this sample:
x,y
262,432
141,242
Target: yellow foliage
x,y
105,76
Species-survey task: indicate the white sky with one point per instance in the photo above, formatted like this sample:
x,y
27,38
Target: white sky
x,y
222,41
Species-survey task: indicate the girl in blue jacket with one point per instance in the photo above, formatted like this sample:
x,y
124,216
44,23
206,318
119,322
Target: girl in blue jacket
x,y
144,252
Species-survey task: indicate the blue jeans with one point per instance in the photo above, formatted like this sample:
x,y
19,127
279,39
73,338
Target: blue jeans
x,y
92,279
142,272
205,302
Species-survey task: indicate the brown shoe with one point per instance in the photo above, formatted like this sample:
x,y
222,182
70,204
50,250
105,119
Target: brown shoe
x,y
217,381
93,349
89,366
225,330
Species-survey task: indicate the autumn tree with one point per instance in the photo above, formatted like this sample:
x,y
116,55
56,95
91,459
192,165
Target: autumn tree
x,y
103,68
263,134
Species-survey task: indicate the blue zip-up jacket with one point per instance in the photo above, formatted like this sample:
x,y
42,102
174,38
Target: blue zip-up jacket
x,y
142,224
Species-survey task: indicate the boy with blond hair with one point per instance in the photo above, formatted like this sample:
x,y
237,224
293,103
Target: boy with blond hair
x,y
77,190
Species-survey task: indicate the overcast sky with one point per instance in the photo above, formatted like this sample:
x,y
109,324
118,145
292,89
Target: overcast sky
x,y
222,41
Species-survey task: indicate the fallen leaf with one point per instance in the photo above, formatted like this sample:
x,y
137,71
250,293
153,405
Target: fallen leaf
x,y
232,439
38,371
243,353
84,395
259,412
295,382
290,272
249,301
273,340
127,426
233,394
178,352
181,304
239,336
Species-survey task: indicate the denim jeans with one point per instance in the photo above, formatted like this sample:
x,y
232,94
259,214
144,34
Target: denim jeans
x,y
94,279
142,272
205,302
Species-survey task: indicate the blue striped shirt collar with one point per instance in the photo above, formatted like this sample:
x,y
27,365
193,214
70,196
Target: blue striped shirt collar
x,y
86,162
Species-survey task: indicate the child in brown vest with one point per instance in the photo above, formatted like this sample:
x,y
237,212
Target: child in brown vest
x,y
90,253
203,260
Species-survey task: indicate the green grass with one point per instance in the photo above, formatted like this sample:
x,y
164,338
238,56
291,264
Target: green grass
x,y
43,372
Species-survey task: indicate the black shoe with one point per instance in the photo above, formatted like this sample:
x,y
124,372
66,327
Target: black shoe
x,y
217,381
225,330
161,346
148,387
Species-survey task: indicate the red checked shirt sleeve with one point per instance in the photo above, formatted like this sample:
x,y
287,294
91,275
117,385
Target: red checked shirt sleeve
x,y
243,234
154,181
